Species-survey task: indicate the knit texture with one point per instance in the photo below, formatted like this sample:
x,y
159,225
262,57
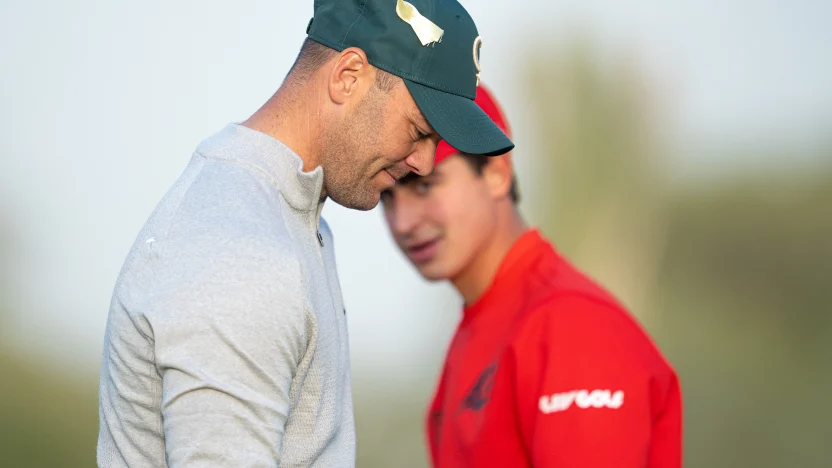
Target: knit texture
x,y
226,342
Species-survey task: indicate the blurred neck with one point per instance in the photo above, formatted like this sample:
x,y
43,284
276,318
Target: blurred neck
x,y
475,279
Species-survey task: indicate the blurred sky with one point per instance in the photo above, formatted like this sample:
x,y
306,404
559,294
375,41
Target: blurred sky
x,y
102,104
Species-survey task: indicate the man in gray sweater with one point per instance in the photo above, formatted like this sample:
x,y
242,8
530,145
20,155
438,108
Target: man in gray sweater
x,y
226,341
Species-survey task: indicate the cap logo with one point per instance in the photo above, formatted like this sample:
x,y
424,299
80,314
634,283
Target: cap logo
x,y
477,47
425,30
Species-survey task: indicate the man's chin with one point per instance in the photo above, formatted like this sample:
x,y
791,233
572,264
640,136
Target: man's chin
x,y
354,203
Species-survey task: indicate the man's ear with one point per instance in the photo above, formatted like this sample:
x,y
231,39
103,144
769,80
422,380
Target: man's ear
x,y
497,173
350,74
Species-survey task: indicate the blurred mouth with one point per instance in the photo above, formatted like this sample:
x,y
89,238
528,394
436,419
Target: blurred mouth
x,y
422,252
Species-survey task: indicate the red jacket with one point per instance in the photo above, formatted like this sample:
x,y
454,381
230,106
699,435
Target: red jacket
x,y
548,370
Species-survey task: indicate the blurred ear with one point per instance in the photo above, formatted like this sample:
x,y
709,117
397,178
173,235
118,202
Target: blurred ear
x,y
351,76
497,173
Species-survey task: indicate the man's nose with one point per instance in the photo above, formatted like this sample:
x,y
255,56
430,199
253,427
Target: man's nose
x,y
421,160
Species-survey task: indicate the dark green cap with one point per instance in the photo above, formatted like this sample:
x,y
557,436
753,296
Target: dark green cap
x,y
434,46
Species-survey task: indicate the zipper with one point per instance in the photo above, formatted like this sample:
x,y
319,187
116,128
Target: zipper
x,y
342,331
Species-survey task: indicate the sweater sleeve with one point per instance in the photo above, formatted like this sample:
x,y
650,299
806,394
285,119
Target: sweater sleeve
x,y
594,390
228,346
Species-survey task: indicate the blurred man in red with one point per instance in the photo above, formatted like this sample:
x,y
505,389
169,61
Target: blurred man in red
x,y
546,368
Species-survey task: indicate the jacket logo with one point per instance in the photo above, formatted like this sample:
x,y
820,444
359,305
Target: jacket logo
x,y
582,399
480,393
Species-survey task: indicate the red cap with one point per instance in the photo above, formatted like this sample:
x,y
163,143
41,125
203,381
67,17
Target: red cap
x,y
488,104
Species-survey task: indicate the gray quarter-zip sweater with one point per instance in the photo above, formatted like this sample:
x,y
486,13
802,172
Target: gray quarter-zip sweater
x,y
226,342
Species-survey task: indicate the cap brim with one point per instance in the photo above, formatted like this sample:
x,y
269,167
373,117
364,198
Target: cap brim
x,y
460,121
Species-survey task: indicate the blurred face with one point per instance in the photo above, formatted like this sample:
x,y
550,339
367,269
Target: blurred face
x,y
382,140
442,221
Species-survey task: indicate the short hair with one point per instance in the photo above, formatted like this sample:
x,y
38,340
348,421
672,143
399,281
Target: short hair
x,y
478,162
386,81
313,55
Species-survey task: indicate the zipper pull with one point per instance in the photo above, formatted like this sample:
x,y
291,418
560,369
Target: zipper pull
x,y
320,238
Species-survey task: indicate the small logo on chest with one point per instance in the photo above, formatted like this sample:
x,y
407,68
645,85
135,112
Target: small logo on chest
x,y
480,392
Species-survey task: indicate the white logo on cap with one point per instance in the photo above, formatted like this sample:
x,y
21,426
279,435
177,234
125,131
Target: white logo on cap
x,y
477,47
424,28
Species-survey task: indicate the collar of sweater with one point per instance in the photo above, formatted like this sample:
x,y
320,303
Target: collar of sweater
x,y
272,158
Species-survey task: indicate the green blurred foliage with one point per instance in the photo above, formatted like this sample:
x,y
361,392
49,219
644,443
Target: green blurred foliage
x,y
745,300
48,413
596,174
389,424
48,418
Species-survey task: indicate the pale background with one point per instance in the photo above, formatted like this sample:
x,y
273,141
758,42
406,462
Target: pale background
x,y
102,103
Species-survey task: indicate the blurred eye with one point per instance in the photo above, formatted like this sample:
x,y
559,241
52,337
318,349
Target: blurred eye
x,y
422,187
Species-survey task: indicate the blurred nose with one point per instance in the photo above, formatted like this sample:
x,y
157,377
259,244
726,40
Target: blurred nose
x,y
403,213
421,160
